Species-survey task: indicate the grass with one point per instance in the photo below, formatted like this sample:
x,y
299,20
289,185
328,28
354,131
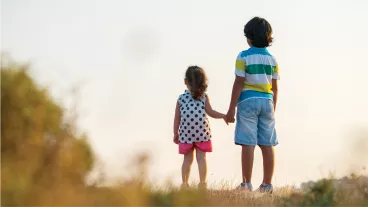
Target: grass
x,y
44,162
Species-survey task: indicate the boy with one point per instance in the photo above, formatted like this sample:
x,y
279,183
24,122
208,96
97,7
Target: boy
x,y
254,94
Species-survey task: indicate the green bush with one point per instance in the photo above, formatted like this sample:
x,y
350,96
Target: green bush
x,y
39,151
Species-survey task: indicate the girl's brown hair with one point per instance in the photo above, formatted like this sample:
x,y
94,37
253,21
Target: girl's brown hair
x,y
197,81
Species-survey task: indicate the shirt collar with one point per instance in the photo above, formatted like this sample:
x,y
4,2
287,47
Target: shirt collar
x,y
258,49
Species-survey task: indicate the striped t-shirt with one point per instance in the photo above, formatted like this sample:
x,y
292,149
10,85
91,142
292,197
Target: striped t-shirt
x,y
258,67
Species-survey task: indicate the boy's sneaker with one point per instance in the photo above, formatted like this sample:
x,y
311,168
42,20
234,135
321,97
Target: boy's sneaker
x,y
266,188
245,186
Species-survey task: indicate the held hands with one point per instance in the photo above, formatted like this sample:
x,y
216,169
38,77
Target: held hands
x,y
224,118
230,116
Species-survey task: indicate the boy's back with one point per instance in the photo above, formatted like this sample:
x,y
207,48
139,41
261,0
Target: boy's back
x,y
258,67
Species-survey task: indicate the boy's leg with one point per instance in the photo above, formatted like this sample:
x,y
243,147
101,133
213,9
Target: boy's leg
x,y
246,135
202,165
185,169
247,162
268,163
267,138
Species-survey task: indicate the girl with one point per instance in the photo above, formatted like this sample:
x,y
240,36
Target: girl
x,y
191,126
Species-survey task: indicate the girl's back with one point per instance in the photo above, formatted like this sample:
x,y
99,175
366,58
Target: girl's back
x,y
194,124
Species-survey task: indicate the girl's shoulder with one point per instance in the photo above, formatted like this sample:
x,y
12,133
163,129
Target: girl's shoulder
x,y
185,97
204,97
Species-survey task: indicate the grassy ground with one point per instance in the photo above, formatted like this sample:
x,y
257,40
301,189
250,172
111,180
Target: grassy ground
x,y
44,162
133,194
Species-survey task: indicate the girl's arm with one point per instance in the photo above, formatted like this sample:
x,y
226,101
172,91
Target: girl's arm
x,y
177,123
212,113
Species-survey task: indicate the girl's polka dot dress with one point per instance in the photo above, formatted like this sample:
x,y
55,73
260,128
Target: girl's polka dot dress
x,y
194,125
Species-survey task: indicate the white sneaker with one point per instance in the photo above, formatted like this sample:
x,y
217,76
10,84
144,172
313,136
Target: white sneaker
x,y
266,188
245,186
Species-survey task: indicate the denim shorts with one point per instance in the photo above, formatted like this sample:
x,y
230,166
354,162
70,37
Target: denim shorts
x,y
255,123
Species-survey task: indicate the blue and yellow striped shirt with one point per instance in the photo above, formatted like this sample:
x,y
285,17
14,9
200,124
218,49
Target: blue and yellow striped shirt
x,y
258,67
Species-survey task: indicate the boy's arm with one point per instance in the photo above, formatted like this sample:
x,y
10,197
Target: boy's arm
x,y
177,123
275,77
212,113
275,92
237,89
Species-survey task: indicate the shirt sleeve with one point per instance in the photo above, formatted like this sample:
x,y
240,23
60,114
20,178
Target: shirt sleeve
x,y
240,66
180,100
204,98
276,73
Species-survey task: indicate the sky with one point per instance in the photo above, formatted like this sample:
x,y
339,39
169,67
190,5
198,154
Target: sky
x,y
128,58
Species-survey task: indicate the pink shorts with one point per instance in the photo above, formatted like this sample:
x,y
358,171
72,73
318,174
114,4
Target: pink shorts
x,y
203,146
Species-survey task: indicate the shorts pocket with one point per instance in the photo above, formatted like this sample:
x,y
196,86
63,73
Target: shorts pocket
x,y
247,107
269,107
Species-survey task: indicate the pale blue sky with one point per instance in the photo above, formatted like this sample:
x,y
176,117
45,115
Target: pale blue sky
x,y
131,57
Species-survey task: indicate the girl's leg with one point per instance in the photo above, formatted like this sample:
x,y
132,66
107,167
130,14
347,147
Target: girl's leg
x,y
202,165
247,162
185,168
268,163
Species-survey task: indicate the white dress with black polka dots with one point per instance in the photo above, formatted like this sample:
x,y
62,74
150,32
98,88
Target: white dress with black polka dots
x,y
194,125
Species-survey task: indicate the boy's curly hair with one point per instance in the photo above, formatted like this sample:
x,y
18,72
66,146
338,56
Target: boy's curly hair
x,y
197,80
259,32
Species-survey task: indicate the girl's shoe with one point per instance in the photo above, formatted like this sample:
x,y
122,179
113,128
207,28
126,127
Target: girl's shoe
x,y
245,186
